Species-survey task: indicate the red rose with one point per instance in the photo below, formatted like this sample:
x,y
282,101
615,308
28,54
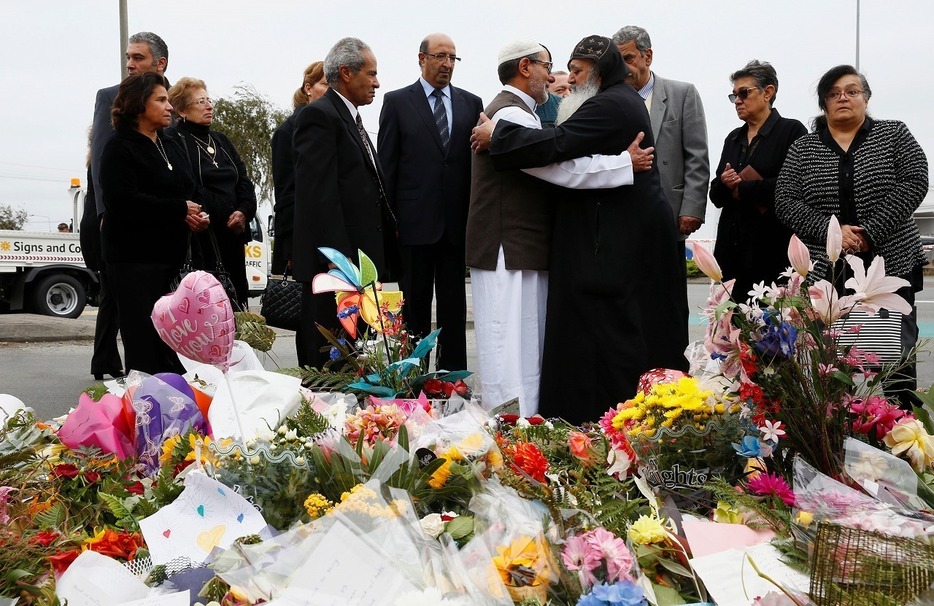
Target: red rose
x,y
65,470
92,477
536,420
44,538
509,419
61,561
433,387
461,388
136,488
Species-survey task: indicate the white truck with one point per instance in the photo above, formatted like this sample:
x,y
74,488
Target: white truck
x,y
44,273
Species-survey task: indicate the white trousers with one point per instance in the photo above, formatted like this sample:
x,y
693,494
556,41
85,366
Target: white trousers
x,y
509,320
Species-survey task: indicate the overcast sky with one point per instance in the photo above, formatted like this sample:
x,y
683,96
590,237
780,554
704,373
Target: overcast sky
x,y
57,53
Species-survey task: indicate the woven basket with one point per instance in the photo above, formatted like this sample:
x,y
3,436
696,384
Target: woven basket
x,y
851,567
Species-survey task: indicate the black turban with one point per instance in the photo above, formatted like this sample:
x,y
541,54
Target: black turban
x,y
610,65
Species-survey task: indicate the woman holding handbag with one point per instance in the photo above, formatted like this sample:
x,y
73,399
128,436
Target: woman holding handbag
x,y
752,244
872,175
148,216
223,186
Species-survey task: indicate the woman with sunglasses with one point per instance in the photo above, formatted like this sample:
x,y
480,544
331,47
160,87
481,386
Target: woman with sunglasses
x,y
872,175
752,245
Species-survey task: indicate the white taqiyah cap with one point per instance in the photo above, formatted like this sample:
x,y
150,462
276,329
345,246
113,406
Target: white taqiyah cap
x,y
519,49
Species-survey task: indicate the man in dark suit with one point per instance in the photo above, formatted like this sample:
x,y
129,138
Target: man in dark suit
x,y
424,148
339,194
145,52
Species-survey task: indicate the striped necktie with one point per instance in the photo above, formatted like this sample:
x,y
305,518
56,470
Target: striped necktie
x,y
441,117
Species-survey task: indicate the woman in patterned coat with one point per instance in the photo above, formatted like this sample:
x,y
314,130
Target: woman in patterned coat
x,y
872,175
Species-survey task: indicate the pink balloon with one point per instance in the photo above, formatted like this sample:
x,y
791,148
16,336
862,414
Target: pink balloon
x,y
658,375
197,320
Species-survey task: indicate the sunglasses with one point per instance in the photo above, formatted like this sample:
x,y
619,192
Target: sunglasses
x,y
741,94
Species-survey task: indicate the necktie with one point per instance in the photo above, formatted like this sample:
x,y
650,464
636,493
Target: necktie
x,y
363,137
441,117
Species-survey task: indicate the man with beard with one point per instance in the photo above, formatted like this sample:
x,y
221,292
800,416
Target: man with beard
x,y
509,232
614,306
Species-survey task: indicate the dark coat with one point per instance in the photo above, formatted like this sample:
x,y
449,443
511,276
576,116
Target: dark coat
x,y
283,177
428,186
752,244
101,132
338,198
145,208
614,308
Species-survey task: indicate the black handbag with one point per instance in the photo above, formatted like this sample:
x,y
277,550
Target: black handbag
x,y
282,302
220,272
184,270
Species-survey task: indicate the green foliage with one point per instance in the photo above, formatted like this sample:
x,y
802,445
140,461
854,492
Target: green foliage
x,y
252,329
306,421
249,120
322,380
12,218
692,270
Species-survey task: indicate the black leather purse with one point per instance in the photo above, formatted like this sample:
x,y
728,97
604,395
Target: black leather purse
x,y
282,302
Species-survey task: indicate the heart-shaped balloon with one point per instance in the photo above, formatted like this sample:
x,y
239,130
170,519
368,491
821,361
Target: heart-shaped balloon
x,y
658,375
197,320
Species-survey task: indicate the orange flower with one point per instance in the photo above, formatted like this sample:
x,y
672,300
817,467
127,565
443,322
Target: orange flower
x,y
581,446
121,545
527,458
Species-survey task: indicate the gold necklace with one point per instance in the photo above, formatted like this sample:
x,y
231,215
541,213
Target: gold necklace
x,y
162,153
207,148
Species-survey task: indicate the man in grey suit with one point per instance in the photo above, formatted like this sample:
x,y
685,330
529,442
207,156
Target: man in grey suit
x,y
680,130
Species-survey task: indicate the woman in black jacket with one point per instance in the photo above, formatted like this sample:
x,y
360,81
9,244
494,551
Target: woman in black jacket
x,y
148,214
752,245
223,186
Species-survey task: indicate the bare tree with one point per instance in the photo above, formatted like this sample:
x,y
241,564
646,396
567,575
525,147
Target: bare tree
x,y
250,119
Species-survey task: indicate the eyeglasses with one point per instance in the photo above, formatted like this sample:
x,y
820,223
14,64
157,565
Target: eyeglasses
x,y
547,64
741,94
441,57
202,101
851,93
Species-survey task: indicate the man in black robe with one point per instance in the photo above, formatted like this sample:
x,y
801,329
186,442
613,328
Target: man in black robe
x,y
614,308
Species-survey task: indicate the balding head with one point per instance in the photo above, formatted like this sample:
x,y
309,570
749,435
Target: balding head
x,y
436,58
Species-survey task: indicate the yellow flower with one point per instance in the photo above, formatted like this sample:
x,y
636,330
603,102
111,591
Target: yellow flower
x,y
647,530
909,438
167,447
522,563
726,514
441,475
317,505
804,518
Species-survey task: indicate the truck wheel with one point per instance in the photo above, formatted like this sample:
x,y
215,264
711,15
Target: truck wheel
x,y
59,295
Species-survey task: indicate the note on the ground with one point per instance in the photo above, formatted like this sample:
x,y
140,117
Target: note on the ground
x,y
707,537
725,574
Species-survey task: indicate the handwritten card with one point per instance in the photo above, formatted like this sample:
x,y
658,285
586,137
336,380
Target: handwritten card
x,y
206,515
96,580
732,581
344,569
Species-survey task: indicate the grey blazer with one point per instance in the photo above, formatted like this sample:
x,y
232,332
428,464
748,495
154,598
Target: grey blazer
x,y
680,131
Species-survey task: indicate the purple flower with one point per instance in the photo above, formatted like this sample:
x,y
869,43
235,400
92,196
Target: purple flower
x,y
779,338
621,593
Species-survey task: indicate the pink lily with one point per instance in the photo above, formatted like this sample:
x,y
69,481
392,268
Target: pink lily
x,y
829,306
874,289
799,256
834,239
707,263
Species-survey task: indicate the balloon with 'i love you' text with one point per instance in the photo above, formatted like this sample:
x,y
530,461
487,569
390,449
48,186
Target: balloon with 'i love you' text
x,y
197,320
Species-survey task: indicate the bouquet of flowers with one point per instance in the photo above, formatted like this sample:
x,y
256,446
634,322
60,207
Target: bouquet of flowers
x,y
681,433
801,390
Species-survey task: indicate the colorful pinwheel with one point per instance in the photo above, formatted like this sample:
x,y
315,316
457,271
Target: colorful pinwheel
x,y
358,292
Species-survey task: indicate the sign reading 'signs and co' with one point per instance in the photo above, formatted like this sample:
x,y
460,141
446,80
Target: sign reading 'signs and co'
x,y
30,248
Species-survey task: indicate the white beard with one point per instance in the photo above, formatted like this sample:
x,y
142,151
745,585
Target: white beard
x,y
572,102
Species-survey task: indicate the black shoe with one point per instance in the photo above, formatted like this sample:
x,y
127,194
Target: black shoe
x,y
115,374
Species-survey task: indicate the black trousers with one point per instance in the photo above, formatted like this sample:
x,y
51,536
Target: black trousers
x,y
316,309
137,287
106,357
437,270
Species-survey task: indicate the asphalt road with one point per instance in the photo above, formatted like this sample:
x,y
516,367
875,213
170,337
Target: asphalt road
x,y
50,375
